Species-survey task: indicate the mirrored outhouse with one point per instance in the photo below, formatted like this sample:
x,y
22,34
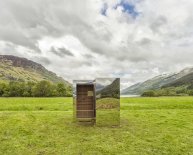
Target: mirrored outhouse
x,y
97,101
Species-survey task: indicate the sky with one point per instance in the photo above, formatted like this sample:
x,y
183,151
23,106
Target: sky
x,y
85,39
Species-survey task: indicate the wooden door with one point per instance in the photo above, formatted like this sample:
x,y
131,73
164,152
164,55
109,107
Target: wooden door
x,y
85,101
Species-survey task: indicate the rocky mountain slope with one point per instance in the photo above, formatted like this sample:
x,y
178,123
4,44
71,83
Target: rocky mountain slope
x,y
14,68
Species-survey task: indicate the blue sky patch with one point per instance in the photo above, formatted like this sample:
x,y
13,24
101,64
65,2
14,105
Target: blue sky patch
x,y
104,9
128,7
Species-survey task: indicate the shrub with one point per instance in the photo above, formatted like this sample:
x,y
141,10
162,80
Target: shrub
x,y
190,92
149,93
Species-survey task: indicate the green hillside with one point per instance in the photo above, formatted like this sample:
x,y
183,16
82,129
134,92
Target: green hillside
x,y
186,80
112,90
156,83
14,68
180,87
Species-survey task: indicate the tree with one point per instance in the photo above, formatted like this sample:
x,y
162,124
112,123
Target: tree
x,y
54,91
3,88
61,89
28,89
69,91
16,89
149,93
190,92
42,89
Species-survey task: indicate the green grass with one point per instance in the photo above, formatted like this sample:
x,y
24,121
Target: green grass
x,y
148,126
35,104
107,103
108,112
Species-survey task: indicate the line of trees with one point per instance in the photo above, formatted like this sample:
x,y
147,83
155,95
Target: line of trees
x,y
31,89
170,91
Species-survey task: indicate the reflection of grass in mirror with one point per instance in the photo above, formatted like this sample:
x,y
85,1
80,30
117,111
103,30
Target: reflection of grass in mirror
x,y
107,117
107,103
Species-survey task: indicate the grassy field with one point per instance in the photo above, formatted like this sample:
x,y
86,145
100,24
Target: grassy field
x,y
149,126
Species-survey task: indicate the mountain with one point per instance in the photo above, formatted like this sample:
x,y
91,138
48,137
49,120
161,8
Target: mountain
x,y
156,82
131,90
186,80
14,68
99,86
112,90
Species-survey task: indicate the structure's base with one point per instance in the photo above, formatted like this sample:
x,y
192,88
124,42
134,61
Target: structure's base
x,y
86,121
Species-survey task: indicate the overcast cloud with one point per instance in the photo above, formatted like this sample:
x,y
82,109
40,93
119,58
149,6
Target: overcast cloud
x,y
84,39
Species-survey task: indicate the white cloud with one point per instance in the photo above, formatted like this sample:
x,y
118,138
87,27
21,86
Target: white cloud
x,y
159,39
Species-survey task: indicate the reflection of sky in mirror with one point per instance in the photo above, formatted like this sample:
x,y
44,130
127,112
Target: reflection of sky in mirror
x,y
81,82
105,81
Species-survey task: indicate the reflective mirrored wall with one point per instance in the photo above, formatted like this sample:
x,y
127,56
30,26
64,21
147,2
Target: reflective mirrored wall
x,y
107,101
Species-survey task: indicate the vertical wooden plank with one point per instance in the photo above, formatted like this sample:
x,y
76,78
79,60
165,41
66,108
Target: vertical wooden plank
x,y
85,101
